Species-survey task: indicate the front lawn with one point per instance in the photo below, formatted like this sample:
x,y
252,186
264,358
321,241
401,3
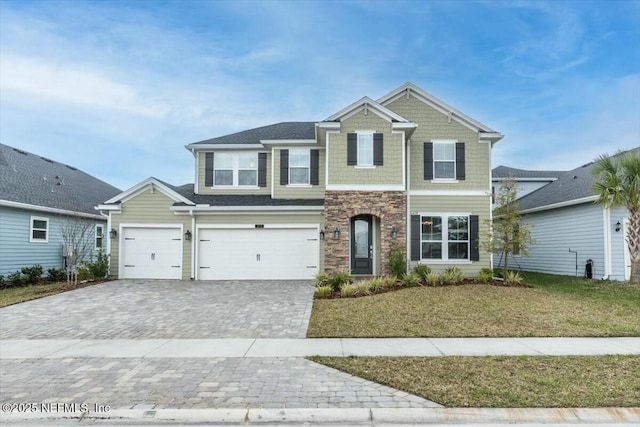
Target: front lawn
x,y
555,306
505,382
15,295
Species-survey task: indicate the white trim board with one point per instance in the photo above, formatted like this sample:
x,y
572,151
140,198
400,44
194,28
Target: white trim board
x,y
27,206
142,186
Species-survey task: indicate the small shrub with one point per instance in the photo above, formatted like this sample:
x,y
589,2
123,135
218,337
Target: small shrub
x,y
323,291
390,281
513,278
100,268
485,275
397,261
376,284
347,290
15,279
432,279
339,278
452,275
56,274
363,287
1,280
422,271
83,273
322,279
410,279
32,275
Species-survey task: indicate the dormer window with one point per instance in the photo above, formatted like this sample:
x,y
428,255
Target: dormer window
x,y
235,170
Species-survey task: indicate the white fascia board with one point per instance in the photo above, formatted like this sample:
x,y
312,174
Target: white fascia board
x,y
438,104
365,187
549,179
149,182
370,104
209,147
403,125
57,211
562,204
253,209
206,226
113,207
450,193
493,137
288,141
328,125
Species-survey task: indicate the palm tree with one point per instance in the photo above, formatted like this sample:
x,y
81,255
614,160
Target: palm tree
x,y
618,184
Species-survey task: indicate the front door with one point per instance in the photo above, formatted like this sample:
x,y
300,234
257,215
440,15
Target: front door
x,y
361,245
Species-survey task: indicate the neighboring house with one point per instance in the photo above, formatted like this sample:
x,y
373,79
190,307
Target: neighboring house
x,y
528,180
38,197
569,228
292,199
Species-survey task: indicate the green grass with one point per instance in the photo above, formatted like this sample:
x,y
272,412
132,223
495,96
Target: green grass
x,y
15,295
505,382
554,306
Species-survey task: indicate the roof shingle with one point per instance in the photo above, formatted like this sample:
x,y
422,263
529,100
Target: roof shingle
x,y
283,130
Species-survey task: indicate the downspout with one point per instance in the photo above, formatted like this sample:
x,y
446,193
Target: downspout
x,y
408,219
490,202
194,239
606,228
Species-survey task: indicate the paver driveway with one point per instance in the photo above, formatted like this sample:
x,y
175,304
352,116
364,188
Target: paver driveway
x,y
138,309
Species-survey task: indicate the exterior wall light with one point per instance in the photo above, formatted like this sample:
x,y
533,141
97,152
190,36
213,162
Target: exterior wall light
x,y
394,232
113,233
336,233
322,235
187,235
618,226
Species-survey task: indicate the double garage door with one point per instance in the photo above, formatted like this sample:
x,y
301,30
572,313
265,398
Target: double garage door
x,y
257,253
221,253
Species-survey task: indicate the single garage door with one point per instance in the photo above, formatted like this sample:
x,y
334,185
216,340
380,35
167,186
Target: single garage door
x,y
257,253
151,253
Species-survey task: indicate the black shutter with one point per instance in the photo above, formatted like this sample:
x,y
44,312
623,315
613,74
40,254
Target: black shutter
x,y
474,240
352,149
284,167
428,160
262,169
460,160
415,237
208,170
315,167
377,149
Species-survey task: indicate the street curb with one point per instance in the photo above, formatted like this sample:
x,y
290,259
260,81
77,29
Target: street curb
x,y
342,416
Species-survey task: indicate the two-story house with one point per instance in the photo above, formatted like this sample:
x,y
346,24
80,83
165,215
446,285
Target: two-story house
x,y
289,200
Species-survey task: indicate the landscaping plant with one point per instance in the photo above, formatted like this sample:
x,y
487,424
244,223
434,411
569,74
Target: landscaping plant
x,y
410,279
397,261
339,278
485,275
323,291
32,275
422,271
513,278
347,290
451,276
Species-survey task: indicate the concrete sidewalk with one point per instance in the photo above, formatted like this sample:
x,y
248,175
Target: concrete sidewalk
x,y
270,348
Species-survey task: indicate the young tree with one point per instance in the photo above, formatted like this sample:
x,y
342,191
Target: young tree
x,y
77,239
508,234
618,184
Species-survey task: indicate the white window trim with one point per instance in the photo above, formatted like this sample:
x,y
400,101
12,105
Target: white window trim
x,y
31,229
358,165
444,180
235,172
445,231
308,167
99,248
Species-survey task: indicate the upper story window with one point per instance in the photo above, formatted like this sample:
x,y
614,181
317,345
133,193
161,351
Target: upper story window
x,y
99,236
365,149
299,166
39,229
444,160
235,169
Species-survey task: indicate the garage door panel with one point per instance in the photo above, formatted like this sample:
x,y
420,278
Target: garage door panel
x,y
151,253
236,254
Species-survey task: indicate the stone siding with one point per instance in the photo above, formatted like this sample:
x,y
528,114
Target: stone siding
x,y
340,206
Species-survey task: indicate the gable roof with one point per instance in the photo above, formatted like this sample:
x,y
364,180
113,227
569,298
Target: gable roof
x,y
29,179
167,189
367,103
438,104
574,186
537,175
283,130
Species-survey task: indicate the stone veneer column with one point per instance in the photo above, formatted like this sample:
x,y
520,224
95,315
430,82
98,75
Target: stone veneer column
x,y
341,206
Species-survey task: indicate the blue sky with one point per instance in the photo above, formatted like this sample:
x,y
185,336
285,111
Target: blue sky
x,y
117,88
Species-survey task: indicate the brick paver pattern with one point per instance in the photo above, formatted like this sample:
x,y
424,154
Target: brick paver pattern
x,y
139,309
194,383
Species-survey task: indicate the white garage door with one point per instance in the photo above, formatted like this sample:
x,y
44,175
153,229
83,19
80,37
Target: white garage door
x,y
266,253
151,253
